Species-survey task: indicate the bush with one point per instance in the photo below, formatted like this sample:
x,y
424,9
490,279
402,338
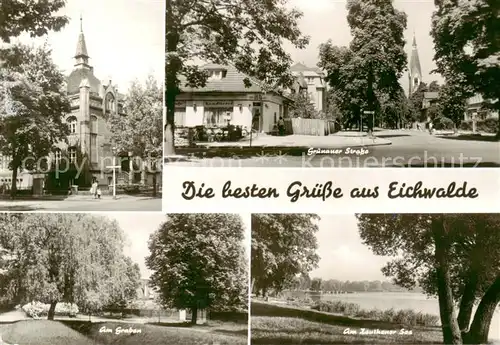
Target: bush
x,y
405,317
337,307
37,309
490,125
129,188
443,123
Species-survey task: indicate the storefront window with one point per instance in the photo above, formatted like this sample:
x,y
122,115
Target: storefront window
x,y
217,116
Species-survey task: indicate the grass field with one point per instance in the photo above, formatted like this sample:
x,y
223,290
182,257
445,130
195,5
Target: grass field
x,y
276,324
44,332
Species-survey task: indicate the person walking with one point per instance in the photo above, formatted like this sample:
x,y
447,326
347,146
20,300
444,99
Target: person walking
x,y
93,190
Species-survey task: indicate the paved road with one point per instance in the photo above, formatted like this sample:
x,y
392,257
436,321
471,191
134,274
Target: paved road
x,y
409,148
129,204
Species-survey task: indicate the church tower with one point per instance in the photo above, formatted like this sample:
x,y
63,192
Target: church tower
x,y
81,55
415,71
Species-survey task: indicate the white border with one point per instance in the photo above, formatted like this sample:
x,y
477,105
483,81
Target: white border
x,y
485,180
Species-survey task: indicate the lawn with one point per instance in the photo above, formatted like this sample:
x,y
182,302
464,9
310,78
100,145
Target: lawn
x,y
43,332
273,324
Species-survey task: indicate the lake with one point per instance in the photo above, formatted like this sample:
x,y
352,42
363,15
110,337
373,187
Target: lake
x,y
397,300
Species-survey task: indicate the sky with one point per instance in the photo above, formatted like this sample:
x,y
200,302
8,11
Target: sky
x,y
343,256
327,19
139,226
125,39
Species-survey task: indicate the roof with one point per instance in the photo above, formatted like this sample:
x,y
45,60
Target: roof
x,y
415,68
232,82
77,76
81,46
300,67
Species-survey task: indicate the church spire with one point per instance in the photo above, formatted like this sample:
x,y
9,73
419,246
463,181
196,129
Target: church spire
x,y
415,70
81,55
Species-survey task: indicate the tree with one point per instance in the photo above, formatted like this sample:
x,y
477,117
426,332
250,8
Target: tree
x,y
33,105
452,102
198,262
374,61
302,106
317,284
472,58
247,34
417,99
434,86
55,257
124,288
34,16
283,246
140,132
455,257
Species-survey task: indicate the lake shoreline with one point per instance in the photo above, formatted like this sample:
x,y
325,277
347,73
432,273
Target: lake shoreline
x,y
278,323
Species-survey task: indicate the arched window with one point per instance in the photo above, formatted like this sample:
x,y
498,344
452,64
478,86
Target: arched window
x,y
110,102
72,122
93,124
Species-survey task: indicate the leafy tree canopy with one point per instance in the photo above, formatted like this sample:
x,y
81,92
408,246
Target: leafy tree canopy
x,y
198,262
283,245
456,257
33,16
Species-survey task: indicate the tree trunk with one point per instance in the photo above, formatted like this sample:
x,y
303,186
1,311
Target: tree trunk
x,y
154,184
172,67
480,326
194,315
52,311
449,324
467,302
13,186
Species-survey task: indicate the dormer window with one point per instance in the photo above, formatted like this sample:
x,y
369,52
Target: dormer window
x,y
216,74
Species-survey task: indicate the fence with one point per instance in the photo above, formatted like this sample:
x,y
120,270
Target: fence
x,y
310,126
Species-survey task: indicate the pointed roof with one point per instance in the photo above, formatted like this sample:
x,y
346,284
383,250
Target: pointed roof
x,y
81,47
415,68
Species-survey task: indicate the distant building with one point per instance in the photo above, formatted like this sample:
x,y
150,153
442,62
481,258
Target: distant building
x,y
315,84
225,99
429,99
145,292
414,70
474,107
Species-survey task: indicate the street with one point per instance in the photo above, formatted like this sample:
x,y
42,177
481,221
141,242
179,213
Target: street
x,y
121,204
408,148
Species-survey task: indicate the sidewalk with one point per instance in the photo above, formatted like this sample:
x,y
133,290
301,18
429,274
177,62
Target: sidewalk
x,y
338,140
76,201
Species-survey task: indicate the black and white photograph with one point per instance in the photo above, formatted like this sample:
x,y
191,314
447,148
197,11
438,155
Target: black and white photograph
x,y
110,278
375,279
326,83
81,104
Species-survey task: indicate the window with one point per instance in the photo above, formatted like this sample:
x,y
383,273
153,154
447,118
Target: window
x,y
216,74
72,155
93,148
310,80
93,124
57,155
110,102
217,117
72,124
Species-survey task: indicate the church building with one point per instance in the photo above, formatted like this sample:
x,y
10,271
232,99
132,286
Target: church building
x,y
88,154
